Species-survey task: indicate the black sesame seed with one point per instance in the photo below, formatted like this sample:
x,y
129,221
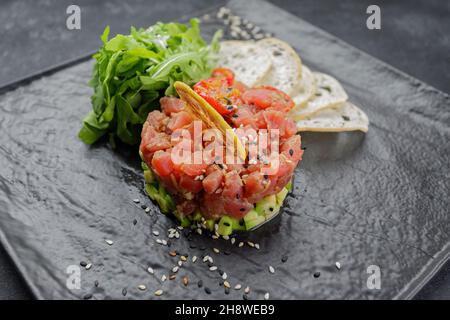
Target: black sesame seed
x,y
227,290
235,116
124,292
220,283
87,296
245,296
134,221
291,152
96,283
227,253
83,263
200,283
316,274
144,206
284,258
207,290
210,264
271,209
169,243
220,272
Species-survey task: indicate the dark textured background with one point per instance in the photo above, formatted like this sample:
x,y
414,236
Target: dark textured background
x,y
413,38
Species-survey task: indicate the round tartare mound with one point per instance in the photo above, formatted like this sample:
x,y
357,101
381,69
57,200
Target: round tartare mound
x,y
216,189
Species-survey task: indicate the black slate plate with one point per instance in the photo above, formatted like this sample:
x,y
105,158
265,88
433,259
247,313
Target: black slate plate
x,y
375,199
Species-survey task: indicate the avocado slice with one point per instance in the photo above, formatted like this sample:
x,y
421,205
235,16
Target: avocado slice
x,y
225,226
281,196
210,224
148,176
266,206
253,219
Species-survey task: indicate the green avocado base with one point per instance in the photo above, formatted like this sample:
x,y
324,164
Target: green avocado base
x,y
264,210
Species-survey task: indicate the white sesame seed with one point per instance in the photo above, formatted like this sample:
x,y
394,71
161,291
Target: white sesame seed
x,y
266,296
150,270
338,265
175,269
247,290
158,292
210,259
233,240
226,284
180,228
194,258
215,237
159,241
183,258
257,246
147,210
226,237
241,244
199,231
136,200
213,268
238,287
163,278
156,232
205,258
110,242
142,287
251,244
224,276
271,269
216,250
88,266
164,242
177,235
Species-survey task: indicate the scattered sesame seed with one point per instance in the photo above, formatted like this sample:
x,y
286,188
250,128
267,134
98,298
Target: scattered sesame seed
x,y
200,283
88,266
180,263
158,292
284,258
226,284
266,296
150,270
142,287
175,269
338,265
147,210
96,283
194,258
226,237
227,290
172,253
244,296
251,244
224,276
185,281
238,287
155,232
271,269
134,222
247,290
83,264
109,242
233,240
316,274
124,292
241,244
199,231
172,277
163,278
183,258
164,242
257,246
213,268
207,290
136,200
216,250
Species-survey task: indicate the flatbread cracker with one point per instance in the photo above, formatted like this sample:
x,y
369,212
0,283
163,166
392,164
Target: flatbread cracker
x,y
246,59
343,117
305,89
286,70
329,92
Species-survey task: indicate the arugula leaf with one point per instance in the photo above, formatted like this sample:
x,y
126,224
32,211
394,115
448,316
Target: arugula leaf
x,y
133,71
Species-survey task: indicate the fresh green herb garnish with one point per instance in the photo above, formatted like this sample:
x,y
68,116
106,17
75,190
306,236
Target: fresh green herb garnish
x,y
133,71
